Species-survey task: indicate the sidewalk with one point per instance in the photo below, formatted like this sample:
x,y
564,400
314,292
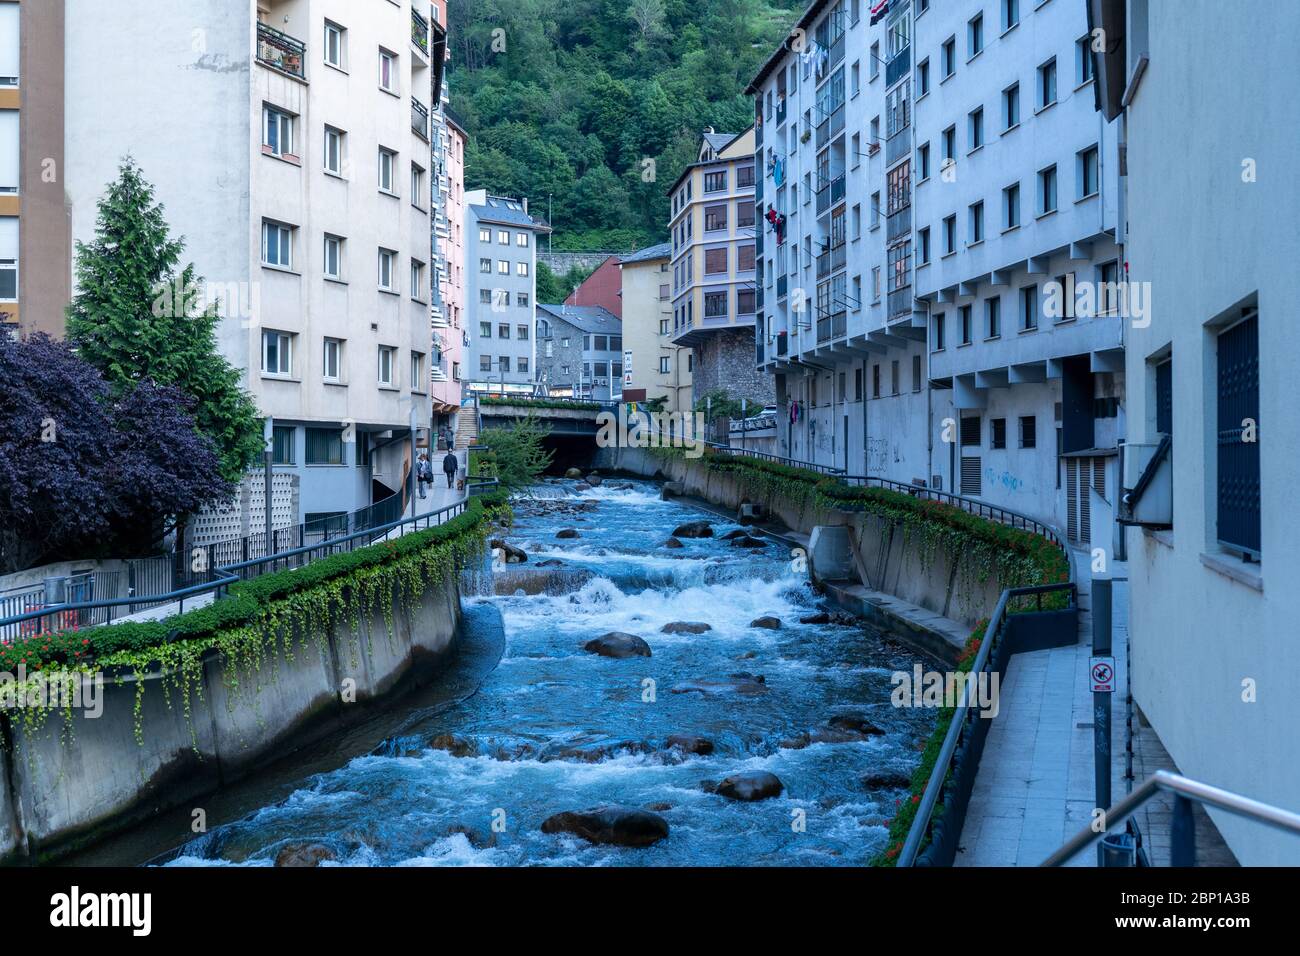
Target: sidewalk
x,y
1036,786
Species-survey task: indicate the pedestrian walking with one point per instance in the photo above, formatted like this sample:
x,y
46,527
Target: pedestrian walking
x,y
451,465
423,472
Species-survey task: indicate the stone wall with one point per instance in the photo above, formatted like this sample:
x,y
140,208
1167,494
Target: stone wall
x,y
66,787
725,362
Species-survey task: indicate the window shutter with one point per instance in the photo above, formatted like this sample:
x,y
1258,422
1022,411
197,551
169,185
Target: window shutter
x,y
970,476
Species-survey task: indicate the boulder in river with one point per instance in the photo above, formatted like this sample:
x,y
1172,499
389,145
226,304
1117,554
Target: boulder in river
x,y
886,780
568,533
551,563
733,535
595,480
475,838
304,854
688,743
685,627
617,644
454,745
821,617
746,685
512,554
856,723
750,543
751,785
694,529
767,621
614,825
573,473
592,748
673,543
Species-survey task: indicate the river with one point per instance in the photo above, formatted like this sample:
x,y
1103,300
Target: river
x,y
555,728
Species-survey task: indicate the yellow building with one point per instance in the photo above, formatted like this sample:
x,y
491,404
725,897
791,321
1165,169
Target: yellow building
x,y
35,244
652,363
714,295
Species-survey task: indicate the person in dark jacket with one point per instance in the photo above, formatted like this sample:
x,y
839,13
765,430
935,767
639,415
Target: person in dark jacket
x,y
423,472
451,465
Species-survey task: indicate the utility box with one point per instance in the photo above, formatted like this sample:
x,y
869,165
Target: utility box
x,y
830,557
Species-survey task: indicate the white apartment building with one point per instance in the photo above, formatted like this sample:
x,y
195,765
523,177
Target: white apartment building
x,y
501,292
1211,227
942,174
289,143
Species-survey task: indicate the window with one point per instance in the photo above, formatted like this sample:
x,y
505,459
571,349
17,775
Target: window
x,y
975,36
485,266
521,240
715,261
1047,84
1088,172
745,302
1083,54
387,71
664,366
922,78
521,333
417,185
715,217
485,363
937,326
335,47
334,150
997,433
522,299
923,246
503,237
966,332
715,304
950,235
324,446
503,267
333,265
277,132
282,442
976,223
744,215
948,57
417,280
916,373
417,372
387,262
277,352
503,330
976,128
950,143
1064,294
875,381
1029,307
745,258
923,162
522,367
744,177
485,328
485,296
855,78
387,358
875,209
1028,431
277,244
1011,206
387,160
1010,14
521,268
993,317
875,283
1108,291
895,385
485,235
715,182
970,431
1011,106
1165,397
1047,191
332,360
875,60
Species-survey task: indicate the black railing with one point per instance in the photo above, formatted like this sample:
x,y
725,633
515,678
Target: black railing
x,y
281,51
831,326
420,31
420,118
828,470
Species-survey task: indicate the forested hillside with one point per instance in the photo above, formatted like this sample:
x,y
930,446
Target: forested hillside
x,y
566,100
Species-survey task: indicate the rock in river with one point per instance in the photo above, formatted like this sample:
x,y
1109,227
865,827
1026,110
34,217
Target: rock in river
x,y
456,746
747,685
733,535
886,780
304,854
751,543
617,644
856,723
673,543
568,533
573,473
694,529
595,480
685,627
619,826
769,622
512,554
755,785
690,744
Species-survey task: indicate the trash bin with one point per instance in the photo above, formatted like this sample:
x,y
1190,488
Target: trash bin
x,y
1118,849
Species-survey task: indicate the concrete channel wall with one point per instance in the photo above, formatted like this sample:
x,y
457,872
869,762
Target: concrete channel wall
x,y
65,790
884,557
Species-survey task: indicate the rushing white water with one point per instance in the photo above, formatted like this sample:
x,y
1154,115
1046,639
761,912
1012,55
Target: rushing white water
x,y
555,728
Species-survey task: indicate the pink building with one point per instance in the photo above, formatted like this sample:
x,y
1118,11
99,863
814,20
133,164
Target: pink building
x,y
448,309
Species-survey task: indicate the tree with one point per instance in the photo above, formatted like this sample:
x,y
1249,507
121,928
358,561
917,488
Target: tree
x,y
521,457
135,317
85,472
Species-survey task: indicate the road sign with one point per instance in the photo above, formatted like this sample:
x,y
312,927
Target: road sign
x,y
1101,670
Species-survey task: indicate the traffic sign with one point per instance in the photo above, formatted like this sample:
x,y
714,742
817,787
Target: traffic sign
x,y
1101,671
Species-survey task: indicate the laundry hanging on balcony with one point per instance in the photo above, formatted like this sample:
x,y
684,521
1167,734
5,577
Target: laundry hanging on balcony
x,y
878,11
815,55
777,221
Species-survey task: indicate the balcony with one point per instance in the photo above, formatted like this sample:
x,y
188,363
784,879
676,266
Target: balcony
x,y
831,261
831,326
830,193
781,286
420,31
281,52
830,127
900,64
900,303
780,111
420,119
899,224
782,343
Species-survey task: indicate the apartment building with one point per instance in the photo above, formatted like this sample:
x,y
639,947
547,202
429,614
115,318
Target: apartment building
x,y
601,288
447,310
580,352
714,295
502,292
653,366
940,259
1210,236
35,245
300,180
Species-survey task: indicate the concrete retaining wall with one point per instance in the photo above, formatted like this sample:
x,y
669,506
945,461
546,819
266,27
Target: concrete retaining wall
x,y
60,794
886,559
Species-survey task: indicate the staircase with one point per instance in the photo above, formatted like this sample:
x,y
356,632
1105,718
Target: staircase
x,y
466,426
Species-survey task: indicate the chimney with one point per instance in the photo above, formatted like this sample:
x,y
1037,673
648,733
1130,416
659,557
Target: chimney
x,y
525,205
709,129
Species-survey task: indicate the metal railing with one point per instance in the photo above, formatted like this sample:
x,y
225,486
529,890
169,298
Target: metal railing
x,y
776,459
281,51
974,506
84,614
1183,833
420,31
967,721
420,119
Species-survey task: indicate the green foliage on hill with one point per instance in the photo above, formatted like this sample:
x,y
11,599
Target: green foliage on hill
x,y
570,101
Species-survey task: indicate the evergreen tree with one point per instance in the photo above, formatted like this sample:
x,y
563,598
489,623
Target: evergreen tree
x,y
135,317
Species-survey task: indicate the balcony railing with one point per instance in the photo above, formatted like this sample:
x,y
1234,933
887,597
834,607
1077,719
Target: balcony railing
x,y
899,65
780,112
900,303
781,286
830,193
281,51
420,119
899,224
420,31
831,326
831,261
830,127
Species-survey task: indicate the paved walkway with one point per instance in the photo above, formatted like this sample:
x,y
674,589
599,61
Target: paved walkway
x,y
1036,784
